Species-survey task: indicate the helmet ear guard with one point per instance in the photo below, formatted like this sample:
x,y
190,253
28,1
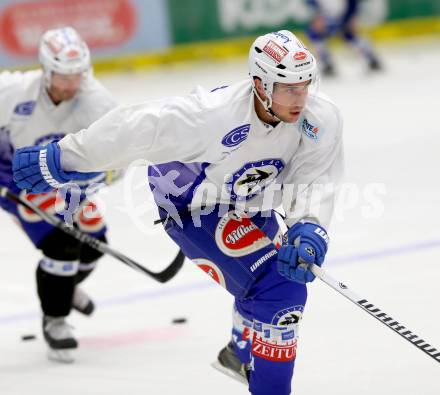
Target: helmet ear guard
x,y
63,51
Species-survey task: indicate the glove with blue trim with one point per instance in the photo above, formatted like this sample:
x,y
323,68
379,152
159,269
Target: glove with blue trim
x,y
304,243
38,169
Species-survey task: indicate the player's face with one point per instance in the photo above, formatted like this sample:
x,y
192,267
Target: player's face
x,y
288,100
64,87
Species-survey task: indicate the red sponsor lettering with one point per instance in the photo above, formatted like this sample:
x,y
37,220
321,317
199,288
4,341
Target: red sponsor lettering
x,y
276,52
44,201
54,46
100,23
272,351
246,333
72,54
238,236
299,56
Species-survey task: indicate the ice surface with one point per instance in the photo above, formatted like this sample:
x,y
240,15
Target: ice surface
x,y
130,345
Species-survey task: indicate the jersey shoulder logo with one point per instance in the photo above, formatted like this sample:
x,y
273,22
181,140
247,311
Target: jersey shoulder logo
x,y
236,136
310,130
25,108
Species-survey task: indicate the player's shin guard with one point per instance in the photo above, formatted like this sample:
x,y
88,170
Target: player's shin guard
x,y
55,286
81,302
273,355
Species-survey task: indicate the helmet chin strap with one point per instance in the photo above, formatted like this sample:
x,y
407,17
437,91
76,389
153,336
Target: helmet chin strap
x,y
47,75
267,105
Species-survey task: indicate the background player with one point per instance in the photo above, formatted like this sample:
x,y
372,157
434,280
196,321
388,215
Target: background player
x,y
333,18
276,140
38,107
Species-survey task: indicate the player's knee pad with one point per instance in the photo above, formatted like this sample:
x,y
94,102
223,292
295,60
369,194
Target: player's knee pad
x,y
60,246
88,255
58,268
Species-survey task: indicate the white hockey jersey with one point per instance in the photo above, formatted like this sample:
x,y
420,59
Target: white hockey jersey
x,y
228,153
29,117
33,119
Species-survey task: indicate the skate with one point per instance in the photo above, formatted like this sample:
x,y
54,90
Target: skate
x,y
82,303
59,337
229,364
374,65
328,70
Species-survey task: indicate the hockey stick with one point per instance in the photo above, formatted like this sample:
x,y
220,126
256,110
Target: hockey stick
x,y
162,277
377,313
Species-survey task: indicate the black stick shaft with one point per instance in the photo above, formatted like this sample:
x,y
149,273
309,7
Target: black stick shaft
x,y
96,244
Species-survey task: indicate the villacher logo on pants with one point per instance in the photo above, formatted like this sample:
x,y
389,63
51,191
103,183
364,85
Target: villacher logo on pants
x,y
238,236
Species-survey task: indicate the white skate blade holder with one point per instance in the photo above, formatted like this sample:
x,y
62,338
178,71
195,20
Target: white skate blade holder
x,y
62,356
230,373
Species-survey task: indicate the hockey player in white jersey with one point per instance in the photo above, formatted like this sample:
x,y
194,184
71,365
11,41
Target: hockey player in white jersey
x,y
38,107
224,159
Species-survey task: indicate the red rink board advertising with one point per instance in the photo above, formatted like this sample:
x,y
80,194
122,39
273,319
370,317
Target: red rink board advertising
x,y
100,23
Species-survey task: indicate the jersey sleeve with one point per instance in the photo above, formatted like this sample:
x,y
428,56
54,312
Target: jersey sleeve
x,y
314,175
174,129
11,86
8,78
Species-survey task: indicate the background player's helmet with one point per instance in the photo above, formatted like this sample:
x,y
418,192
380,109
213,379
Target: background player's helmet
x,y
63,51
280,57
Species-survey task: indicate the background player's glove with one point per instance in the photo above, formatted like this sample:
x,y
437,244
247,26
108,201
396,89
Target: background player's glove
x,y
303,244
38,169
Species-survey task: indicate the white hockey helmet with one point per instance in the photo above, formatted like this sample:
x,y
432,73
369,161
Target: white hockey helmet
x,y
63,51
280,57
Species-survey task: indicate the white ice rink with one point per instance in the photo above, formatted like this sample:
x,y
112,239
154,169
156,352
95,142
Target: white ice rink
x,y
131,347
